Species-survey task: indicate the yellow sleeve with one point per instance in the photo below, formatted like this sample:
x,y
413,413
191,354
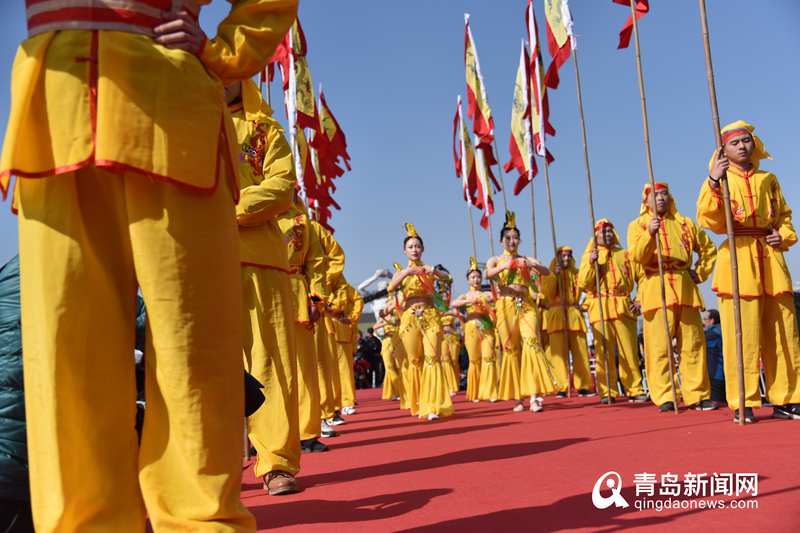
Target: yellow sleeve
x,y
334,255
247,37
641,245
315,266
275,193
357,307
549,283
784,218
710,212
707,252
586,279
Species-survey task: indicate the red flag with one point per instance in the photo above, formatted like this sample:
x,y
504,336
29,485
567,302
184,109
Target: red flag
x,y
642,7
520,145
330,143
560,39
464,158
477,102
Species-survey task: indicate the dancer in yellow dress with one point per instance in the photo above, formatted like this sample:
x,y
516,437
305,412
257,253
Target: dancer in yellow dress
x,y
132,187
764,232
479,338
559,348
518,321
392,381
617,277
267,181
450,342
421,332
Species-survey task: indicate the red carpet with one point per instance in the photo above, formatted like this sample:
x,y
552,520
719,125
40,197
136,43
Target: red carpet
x,y
489,469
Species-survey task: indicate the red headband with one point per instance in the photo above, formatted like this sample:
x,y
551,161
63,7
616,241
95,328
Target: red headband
x,y
602,224
659,187
730,134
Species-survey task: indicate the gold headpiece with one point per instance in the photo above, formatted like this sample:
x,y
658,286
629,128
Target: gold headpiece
x,y
511,220
411,231
473,264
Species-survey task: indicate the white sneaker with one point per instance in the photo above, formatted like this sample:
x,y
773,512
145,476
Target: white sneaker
x,y
536,405
348,410
475,400
518,408
433,416
335,421
327,431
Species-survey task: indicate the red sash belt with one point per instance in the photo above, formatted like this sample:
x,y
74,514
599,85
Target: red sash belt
x,y
134,16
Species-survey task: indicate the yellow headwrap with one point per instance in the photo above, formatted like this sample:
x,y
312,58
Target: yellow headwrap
x,y
759,152
556,261
599,224
660,186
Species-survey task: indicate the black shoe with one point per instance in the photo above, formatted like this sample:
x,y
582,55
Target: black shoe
x,y
666,407
586,393
639,398
706,405
785,412
312,446
336,420
561,395
606,399
748,416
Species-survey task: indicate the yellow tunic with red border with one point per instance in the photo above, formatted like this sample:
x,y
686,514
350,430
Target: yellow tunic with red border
x,y
758,206
266,178
680,240
616,283
109,99
306,260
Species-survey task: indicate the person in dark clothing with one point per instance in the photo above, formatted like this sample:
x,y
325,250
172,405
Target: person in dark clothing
x,y
716,372
15,506
370,349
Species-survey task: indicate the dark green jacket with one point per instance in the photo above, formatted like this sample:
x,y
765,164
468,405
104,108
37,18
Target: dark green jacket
x,y
13,447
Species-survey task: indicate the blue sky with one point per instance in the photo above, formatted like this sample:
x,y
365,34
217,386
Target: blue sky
x,y
392,71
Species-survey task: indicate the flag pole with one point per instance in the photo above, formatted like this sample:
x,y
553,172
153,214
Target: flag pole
x,y
726,203
660,256
490,231
533,210
472,232
579,93
499,169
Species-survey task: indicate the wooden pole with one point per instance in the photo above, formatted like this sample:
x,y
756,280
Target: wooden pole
x,y
579,92
726,203
500,170
472,233
533,211
490,231
659,253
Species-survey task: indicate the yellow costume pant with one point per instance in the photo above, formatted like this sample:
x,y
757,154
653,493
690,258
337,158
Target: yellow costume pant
x,y
769,329
347,378
479,344
333,349
392,384
686,327
327,370
622,337
508,331
446,362
557,353
270,356
86,239
307,383
421,334
536,373
455,355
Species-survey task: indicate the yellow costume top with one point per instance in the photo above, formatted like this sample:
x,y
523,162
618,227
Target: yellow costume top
x,y
616,281
680,239
416,286
758,206
554,315
481,307
266,178
306,259
348,304
118,100
448,321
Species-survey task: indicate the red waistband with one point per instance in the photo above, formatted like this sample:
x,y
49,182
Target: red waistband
x,y
745,231
134,16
